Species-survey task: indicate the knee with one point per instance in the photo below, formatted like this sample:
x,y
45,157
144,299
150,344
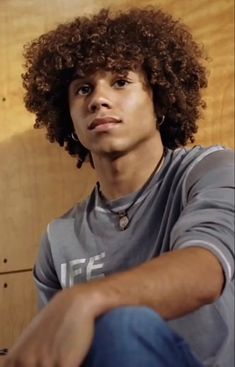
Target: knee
x,y
128,336
124,318
134,336
139,335
130,322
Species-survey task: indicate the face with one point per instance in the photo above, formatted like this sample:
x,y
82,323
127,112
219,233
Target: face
x,y
112,114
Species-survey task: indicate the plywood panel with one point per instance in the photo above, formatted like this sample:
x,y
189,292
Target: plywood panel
x,y
17,306
39,181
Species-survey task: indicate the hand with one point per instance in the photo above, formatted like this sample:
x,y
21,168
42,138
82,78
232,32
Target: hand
x,y
61,334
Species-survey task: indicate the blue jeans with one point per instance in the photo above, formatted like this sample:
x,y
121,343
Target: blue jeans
x,y
137,337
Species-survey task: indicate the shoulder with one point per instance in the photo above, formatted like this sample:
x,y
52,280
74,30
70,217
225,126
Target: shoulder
x,y
200,160
182,162
192,156
215,155
199,167
210,164
66,223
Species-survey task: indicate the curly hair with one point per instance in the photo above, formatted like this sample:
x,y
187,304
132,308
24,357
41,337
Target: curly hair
x,y
148,38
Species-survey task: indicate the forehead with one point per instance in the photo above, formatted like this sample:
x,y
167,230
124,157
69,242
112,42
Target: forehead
x,y
137,74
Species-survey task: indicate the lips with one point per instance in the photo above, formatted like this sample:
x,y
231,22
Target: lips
x,y
102,121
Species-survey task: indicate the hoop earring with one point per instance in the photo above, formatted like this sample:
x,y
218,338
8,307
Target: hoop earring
x,y
73,135
162,121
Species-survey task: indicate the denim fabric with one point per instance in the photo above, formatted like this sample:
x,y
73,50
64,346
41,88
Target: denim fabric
x,y
137,337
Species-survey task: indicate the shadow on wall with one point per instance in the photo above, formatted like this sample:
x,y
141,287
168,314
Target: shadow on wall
x,y
39,181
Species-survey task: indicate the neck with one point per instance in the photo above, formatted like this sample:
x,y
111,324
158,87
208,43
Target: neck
x,y
127,173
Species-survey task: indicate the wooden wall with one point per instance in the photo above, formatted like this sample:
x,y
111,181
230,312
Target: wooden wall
x,y
38,180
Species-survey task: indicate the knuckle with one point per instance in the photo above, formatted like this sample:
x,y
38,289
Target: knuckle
x,y
25,361
17,361
8,362
46,363
62,361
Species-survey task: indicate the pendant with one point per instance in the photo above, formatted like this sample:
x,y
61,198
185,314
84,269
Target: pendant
x,y
123,221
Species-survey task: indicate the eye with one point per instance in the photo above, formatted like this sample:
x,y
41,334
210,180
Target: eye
x,y
84,90
121,83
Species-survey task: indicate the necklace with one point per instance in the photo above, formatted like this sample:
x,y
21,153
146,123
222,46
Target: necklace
x,y
123,218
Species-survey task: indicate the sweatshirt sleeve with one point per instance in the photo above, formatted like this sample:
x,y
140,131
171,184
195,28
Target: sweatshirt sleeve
x,y
207,218
45,276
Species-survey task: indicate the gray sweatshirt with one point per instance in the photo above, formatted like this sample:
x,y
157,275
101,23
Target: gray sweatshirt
x,y
188,202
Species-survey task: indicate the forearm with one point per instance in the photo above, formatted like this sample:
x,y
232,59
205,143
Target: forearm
x,y
173,284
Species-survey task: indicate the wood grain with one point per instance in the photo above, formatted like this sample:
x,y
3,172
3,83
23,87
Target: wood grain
x,y
17,306
39,181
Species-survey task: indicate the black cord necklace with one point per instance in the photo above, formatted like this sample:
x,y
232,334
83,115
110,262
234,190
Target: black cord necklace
x,y
123,218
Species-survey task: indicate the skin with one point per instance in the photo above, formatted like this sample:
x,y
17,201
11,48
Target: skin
x,y
124,157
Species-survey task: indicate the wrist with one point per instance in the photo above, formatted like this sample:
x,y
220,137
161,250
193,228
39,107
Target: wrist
x,y
96,298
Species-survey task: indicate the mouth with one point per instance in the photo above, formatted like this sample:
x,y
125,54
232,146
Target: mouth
x,y
103,122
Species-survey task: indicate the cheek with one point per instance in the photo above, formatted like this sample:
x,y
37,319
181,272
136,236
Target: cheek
x,y
72,112
139,107
76,116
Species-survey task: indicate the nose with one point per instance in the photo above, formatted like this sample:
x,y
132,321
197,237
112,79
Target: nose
x,y
99,100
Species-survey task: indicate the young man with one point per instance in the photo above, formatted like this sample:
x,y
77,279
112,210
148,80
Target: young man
x,y
140,273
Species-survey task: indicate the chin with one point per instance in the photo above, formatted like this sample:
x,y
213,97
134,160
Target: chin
x,y
115,148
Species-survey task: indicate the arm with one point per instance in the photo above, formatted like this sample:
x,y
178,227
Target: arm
x,y
173,284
